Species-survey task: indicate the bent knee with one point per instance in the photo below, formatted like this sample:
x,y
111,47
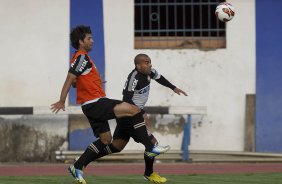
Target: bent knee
x,y
106,140
135,110
117,151
119,144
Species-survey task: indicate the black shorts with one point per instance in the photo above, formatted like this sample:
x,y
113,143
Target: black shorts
x,y
98,113
124,130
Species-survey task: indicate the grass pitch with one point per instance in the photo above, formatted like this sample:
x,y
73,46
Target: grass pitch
x,y
264,178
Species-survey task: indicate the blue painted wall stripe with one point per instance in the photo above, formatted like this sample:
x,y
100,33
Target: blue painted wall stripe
x,y
269,76
89,12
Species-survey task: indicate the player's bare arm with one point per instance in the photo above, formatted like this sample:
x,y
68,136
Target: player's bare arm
x,y
179,91
73,84
56,107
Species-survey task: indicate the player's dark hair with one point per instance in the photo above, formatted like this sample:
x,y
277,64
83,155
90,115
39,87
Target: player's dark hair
x,y
138,57
79,33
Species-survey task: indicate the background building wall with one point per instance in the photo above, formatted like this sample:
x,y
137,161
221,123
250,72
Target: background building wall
x,y
36,58
34,44
32,137
217,79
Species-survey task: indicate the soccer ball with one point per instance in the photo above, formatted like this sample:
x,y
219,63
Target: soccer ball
x,y
225,12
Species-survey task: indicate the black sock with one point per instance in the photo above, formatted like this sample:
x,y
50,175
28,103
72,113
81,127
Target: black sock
x,y
109,149
90,154
149,162
141,131
138,118
142,135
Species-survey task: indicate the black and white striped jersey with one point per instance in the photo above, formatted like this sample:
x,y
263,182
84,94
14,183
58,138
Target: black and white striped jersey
x,y
137,87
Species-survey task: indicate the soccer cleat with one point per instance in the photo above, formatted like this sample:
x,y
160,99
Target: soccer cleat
x,y
155,178
77,174
157,149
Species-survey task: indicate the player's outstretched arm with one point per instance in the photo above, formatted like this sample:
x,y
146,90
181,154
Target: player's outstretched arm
x,y
56,107
179,91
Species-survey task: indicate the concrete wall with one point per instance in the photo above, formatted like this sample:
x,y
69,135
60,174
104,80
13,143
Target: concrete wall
x,y
34,39
217,79
32,137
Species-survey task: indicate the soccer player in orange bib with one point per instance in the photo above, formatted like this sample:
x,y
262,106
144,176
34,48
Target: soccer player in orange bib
x,y
95,105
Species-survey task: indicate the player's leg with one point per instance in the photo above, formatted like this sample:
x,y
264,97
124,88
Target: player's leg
x,y
149,161
101,130
116,146
121,136
141,136
126,110
120,140
97,113
139,125
106,109
149,173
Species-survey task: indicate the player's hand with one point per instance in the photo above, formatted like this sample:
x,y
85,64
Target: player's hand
x,y
179,91
56,107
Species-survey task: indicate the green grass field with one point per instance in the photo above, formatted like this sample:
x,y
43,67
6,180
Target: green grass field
x,y
266,178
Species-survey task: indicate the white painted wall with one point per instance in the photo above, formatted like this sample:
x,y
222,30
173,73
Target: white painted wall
x,y
34,44
217,79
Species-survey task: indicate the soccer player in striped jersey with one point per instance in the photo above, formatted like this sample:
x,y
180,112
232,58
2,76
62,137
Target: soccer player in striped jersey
x,y
136,91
